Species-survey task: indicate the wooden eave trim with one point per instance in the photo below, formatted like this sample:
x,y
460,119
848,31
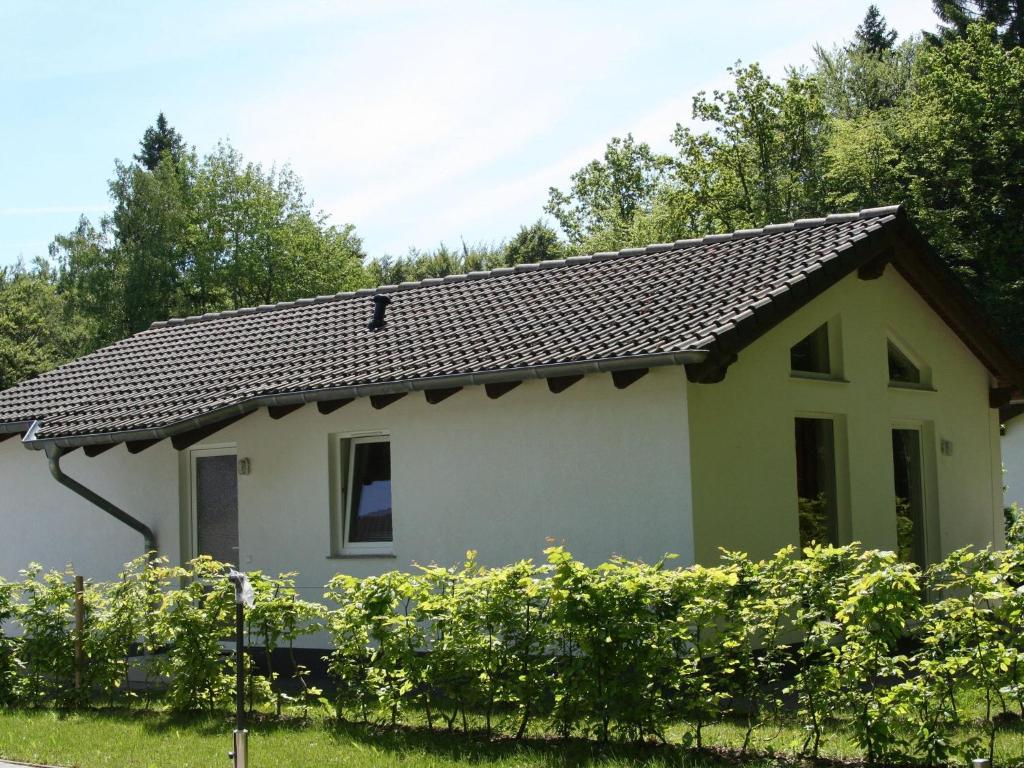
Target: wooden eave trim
x,y
920,266
138,446
496,389
280,411
188,439
435,396
383,401
330,406
95,450
558,384
623,379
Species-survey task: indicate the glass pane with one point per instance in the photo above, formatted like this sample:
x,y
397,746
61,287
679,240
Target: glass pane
x,y
370,508
900,368
816,482
906,459
217,507
810,354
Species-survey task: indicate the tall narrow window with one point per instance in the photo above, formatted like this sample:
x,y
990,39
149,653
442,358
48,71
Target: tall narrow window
x,y
816,481
909,495
901,369
368,492
811,353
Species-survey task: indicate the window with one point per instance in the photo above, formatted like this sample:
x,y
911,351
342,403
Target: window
x,y
365,498
811,354
901,369
909,496
817,504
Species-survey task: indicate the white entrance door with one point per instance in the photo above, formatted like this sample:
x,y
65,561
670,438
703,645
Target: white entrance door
x,y
215,503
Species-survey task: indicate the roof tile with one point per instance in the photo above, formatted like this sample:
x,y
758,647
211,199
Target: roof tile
x,y
662,299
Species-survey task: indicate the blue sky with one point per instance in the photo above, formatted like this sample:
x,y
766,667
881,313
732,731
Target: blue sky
x,y
419,122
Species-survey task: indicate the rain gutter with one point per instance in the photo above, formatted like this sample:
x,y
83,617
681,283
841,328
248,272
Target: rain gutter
x,y
364,390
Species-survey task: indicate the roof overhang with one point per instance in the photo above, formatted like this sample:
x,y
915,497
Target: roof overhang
x,y
900,244
248,405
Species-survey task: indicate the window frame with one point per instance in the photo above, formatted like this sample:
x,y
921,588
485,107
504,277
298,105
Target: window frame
x,y
841,459
930,513
342,459
834,340
924,371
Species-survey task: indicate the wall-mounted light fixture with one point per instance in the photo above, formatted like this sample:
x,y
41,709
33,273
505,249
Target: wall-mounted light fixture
x,y
244,466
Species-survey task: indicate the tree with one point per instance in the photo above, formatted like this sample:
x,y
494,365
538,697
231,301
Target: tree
x,y
158,140
442,261
258,239
962,163
855,82
154,224
873,34
535,243
609,193
191,235
1006,16
36,334
532,244
90,278
761,160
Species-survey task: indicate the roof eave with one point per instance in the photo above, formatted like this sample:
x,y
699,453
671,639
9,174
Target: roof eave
x,y
605,365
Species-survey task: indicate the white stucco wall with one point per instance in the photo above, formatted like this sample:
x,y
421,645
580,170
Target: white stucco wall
x,y
604,471
742,434
44,522
1013,461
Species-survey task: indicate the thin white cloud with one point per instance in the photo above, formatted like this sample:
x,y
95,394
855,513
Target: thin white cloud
x,y
527,191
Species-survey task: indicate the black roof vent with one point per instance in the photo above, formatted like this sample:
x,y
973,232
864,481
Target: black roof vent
x,y
380,306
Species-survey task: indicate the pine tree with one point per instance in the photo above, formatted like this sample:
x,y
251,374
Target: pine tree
x,y
157,140
1006,15
873,35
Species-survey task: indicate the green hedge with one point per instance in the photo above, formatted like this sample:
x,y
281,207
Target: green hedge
x,y
832,638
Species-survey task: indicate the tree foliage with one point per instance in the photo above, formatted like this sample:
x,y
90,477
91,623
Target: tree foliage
x,y
873,34
534,243
160,140
1006,16
190,234
937,127
36,330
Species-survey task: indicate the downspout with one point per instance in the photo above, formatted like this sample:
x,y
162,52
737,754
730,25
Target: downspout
x,y
54,454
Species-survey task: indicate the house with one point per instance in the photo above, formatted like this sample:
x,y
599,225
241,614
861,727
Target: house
x,y
1013,454
823,380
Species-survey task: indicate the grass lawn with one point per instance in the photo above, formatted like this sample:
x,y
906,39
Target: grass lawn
x,y
157,740
138,739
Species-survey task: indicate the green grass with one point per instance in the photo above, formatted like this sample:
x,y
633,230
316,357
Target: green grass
x,y
157,739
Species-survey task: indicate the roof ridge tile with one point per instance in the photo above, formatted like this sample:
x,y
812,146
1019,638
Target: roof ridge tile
x,y
721,237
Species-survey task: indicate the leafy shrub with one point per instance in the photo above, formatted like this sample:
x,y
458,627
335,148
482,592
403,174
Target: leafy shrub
x,y
46,647
8,646
832,638
278,619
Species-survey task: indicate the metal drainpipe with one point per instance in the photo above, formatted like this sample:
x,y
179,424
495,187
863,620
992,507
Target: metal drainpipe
x,y
54,454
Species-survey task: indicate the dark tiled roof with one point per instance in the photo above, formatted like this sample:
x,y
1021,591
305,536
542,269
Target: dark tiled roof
x,y
665,299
